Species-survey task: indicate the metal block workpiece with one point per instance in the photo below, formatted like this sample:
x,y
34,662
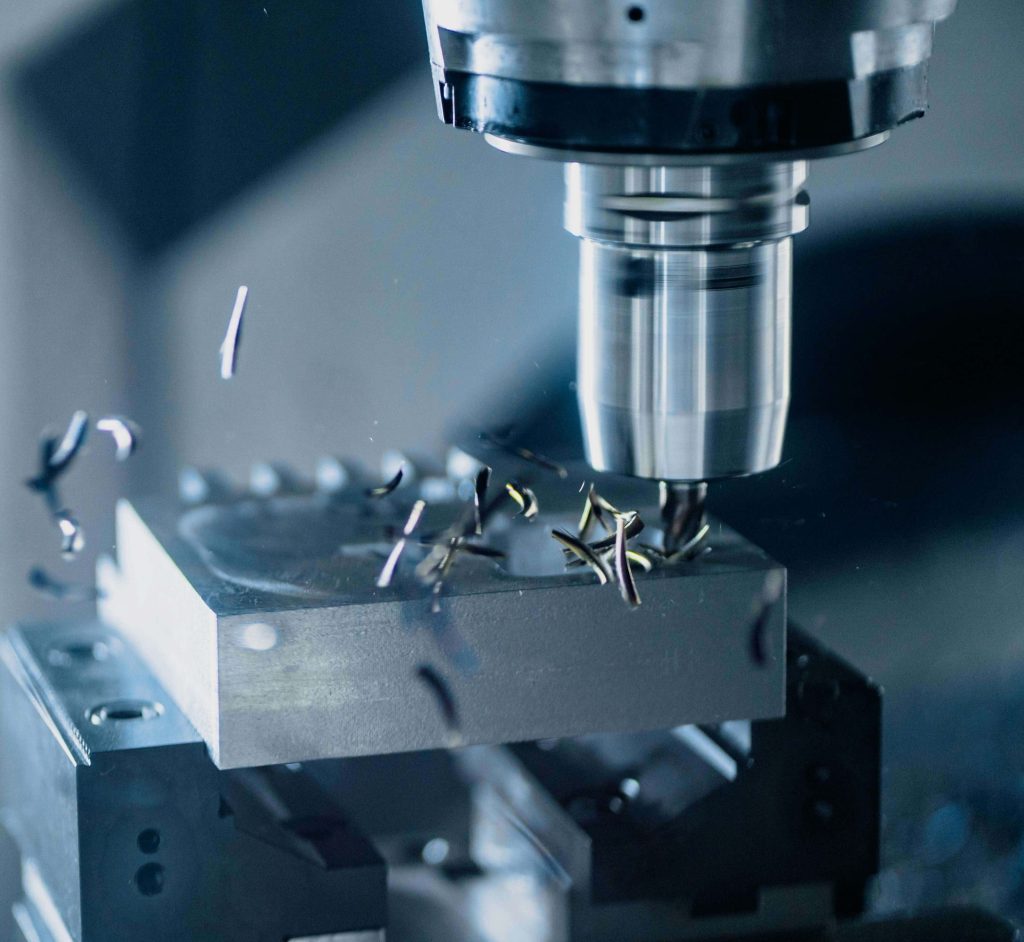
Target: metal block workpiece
x,y
263,620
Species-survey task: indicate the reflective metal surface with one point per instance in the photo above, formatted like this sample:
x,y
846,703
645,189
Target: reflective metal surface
x,y
668,44
685,267
684,329
620,158
127,831
263,619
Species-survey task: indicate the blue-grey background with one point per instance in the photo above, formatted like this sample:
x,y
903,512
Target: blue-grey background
x,y
154,156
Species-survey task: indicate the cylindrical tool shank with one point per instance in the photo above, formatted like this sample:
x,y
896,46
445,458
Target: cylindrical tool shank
x,y
685,286
684,359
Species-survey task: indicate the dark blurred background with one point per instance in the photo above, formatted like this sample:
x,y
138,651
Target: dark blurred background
x,y
155,155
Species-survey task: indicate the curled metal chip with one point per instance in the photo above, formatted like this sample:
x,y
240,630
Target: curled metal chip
x,y
125,432
233,337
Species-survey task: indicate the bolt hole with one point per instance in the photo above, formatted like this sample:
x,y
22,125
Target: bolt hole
x,y
635,14
121,711
149,841
435,852
79,652
149,879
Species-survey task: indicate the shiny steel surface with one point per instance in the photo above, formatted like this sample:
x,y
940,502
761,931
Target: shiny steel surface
x,y
685,206
127,831
273,638
620,158
684,359
680,43
684,324
685,266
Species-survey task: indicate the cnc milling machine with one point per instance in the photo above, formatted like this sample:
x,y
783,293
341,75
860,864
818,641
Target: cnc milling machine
x,y
262,738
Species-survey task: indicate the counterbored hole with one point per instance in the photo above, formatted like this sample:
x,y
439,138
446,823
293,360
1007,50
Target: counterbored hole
x,y
635,14
149,841
72,653
149,879
120,711
435,852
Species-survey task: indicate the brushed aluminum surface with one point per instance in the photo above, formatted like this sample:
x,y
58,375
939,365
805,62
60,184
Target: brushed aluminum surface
x,y
263,621
680,43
